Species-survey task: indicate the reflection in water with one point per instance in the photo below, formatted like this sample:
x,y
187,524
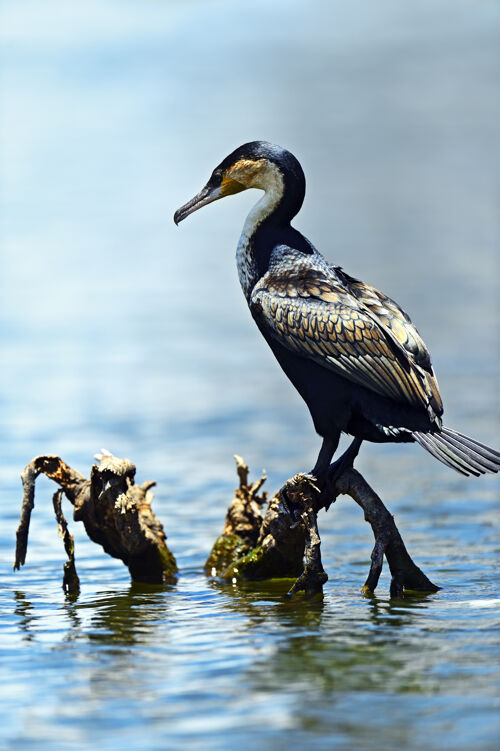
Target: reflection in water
x,y
128,618
358,645
398,613
125,618
272,605
25,612
335,666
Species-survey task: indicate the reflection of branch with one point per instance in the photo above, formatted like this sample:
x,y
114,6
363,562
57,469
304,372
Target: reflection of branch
x,y
288,532
116,514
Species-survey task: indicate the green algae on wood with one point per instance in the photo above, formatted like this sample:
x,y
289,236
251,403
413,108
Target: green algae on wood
x,y
225,551
254,545
284,542
242,524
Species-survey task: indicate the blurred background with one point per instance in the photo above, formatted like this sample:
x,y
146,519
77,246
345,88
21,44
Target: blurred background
x,y
119,330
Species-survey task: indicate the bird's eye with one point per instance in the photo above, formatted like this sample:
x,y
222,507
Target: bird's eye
x,y
216,178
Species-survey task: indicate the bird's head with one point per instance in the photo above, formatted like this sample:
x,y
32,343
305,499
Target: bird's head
x,y
257,164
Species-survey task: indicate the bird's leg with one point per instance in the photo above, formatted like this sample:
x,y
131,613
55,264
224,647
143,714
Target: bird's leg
x,y
339,466
322,466
316,477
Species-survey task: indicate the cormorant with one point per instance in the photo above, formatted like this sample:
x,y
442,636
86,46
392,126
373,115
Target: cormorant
x,y
352,353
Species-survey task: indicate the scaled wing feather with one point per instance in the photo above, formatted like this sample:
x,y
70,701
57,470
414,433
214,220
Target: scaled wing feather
x,y
315,314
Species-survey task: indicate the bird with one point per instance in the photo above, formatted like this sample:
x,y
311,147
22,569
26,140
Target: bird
x,y
352,352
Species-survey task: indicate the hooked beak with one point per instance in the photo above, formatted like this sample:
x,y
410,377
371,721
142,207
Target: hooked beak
x,y
208,194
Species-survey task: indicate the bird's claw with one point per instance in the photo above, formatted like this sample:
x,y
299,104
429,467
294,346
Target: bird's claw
x,y
295,492
307,478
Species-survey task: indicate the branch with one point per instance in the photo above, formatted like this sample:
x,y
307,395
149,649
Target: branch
x,y
254,545
288,531
116,514
405,573
55,469
71,582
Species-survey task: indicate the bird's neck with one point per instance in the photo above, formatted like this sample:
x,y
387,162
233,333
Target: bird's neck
x,y
267,220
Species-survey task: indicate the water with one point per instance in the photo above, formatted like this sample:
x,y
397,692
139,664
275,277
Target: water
x,y
120,330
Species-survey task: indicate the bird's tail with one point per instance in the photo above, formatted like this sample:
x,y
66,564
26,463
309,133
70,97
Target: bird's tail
x,y
458,451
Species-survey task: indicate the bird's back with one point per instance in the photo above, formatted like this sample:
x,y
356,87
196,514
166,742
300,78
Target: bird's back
x,y
372,356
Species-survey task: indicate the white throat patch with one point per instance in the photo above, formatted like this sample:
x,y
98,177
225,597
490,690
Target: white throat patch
x,y
269,179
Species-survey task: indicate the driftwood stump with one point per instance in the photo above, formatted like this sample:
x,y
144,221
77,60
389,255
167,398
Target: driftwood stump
x,y
287,541
282,542
116,514
254,545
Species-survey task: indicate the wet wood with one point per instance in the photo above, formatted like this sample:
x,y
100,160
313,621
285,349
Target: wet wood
x,y
301,494
406,575
115,511
71,581
253,544
288,543
281,542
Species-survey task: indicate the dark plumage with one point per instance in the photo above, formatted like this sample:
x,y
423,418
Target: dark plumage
x,y
352,353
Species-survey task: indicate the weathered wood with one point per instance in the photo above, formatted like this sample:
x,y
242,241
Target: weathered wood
x,y
116,514
71,582
254,545
289,532
301,493
406,575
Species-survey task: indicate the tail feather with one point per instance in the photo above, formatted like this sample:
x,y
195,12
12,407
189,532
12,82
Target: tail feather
x,y
465,456
466,452
458,451
426,440
480,448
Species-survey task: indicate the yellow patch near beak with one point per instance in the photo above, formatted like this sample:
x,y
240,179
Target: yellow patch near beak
x,y
229,186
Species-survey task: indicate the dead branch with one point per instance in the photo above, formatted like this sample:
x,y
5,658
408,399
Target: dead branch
x,y
116,514
288,532
254,545
71,582
405,573
301,493
242,525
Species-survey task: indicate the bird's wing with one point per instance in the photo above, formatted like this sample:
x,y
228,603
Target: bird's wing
x,y
313,313
398,325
